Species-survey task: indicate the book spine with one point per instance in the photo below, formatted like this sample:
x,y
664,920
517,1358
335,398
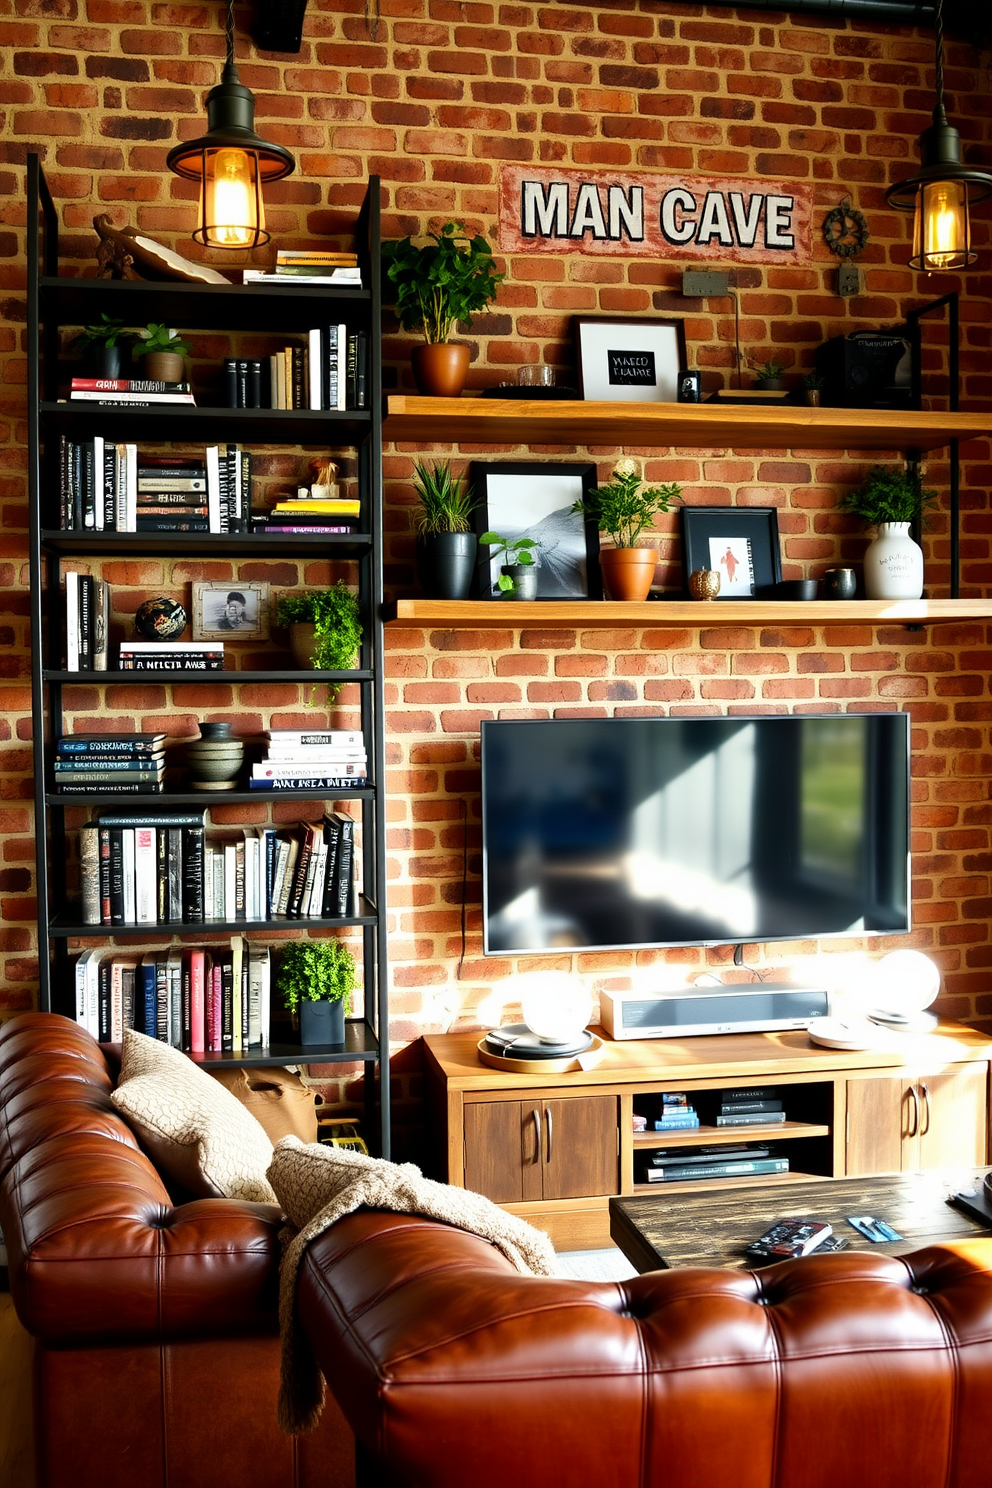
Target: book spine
x,y
742,1108
162,875
101,624
105,856
116,876
145,876
71,620
103,1003
126,385
73,746
88,486
186,987
85,622
768,1118
227,1006
151,819
231,383
345,866
116,1001
197,971
128,982
332,833
147,1001
175,867
65,492
242,376
89,873
172,664
351,372
310,782
212,1008
80,765
102,788
193,842
336,738
76,467
162,1022
254,384
719,1170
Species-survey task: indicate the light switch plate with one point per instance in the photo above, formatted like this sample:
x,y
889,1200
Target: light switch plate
x,y
696,283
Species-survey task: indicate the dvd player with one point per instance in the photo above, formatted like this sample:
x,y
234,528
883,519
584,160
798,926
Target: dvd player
x,y
700,1010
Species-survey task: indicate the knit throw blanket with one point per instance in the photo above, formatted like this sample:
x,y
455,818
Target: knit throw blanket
x,y
316,1185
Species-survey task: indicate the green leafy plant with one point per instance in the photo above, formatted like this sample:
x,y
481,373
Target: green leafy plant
x,y
316,971
814,382
337,628
769,371
625,507
889,493
446,502
442,283
515,550
159,338
109,332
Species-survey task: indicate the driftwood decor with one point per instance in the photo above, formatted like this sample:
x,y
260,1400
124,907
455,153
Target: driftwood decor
x,y
124,253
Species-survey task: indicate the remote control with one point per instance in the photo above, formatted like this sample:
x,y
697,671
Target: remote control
x,y
788,1239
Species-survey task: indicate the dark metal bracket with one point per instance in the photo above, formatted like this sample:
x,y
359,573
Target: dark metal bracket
x,y
277,25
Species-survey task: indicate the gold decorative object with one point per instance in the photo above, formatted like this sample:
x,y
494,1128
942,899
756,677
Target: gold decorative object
x,y
704,583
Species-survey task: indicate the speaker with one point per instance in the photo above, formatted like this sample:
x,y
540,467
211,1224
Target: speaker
x,y
868,369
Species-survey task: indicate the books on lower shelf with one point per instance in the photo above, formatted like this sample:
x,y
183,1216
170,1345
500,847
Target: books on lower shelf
x,y
110,487
330,760
695,1164
213,1000
144,392
119,764
327,368
759,1107
162,868
171,656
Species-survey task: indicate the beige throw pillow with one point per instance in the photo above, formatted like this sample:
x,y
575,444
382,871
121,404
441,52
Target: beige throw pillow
x,y
191,1127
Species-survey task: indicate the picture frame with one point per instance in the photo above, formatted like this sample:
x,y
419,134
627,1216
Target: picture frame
x,y
636,360
247,601
740,542
531,498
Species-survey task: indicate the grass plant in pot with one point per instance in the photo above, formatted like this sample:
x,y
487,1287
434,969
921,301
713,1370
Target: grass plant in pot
x,y
624,508
889,499
518,575
163,352
325,630
769,376
106,348
446,545
438,286
315,979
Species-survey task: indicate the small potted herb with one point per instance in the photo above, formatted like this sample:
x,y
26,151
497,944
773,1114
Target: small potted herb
x,y
769,376
438,286
106,347
518,575
813,385
889,498
325,630
315,979
623,508
446,545
163,352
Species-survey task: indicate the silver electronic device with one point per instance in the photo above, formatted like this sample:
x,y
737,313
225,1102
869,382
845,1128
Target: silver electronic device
x,y
700,1010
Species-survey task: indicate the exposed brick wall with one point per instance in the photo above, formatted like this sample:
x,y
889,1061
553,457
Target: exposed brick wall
x,y
433,101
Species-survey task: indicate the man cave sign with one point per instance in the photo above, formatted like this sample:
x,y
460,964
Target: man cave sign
x,y
642,215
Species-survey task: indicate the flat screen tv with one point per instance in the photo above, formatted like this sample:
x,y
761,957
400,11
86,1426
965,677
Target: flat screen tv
x,y
608,833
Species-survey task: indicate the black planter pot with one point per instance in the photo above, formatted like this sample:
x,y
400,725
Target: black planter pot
x,y
524,576
446,564
107,361
322,1023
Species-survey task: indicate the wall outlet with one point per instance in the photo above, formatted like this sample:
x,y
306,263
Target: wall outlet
x,y
699,282
848,280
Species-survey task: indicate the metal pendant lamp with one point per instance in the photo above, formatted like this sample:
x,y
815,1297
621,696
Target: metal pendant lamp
x,y
231,162
943,190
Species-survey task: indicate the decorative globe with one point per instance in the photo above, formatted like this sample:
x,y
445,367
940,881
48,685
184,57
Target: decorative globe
x,y
160,619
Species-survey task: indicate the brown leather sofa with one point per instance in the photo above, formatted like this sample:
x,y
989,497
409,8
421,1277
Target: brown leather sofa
x,y
457,1372
156,1347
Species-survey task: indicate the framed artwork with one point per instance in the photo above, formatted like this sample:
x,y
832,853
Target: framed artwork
x,y
739,543
533,499
638,361
233,608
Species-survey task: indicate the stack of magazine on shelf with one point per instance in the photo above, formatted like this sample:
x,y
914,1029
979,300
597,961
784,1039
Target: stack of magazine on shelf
x,y
172,656
87,617
694,1164
134,391
214,1000
300,760
675,1113
110,764
309,266
756,1107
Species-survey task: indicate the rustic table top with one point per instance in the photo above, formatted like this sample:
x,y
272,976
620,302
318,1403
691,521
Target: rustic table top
x,y
713,1227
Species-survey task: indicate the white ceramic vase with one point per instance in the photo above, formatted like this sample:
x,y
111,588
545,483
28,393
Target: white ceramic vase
x,y
893,564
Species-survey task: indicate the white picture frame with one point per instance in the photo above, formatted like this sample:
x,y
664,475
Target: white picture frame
x,y
629,360
234,609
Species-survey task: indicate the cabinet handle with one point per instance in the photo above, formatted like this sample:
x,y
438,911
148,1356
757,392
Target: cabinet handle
x,y
551,1132
916,1112
537,1134
926,1106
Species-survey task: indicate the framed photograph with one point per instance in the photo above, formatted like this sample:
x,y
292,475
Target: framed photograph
x,y
531,499
638,361
234,608
739,543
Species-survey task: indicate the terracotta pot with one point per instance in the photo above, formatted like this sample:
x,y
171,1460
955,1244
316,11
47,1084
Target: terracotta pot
x,y
441,368
163,366
301,639
628,572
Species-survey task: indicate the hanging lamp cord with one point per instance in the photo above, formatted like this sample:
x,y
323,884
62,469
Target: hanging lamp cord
x,y
230,67
939,115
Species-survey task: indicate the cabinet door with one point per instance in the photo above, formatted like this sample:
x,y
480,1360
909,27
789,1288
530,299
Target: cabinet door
x,y
953,1121
580,1151
880,1118
504,1150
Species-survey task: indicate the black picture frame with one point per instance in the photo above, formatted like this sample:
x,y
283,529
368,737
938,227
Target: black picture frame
x,y
657,340
538,490
706,528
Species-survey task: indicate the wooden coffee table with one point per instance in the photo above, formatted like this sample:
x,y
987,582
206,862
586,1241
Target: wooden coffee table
x,y
713,1227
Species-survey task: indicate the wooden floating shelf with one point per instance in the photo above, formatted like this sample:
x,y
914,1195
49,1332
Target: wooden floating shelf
x,y
667,614
492,421
713,1136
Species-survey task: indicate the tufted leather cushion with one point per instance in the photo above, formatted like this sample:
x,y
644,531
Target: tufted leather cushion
x,y
191,1126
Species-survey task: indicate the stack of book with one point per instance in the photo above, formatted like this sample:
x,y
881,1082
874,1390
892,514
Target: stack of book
x,y
244,383
135,392
171,494
759,1107
695,1164
198,1000
87,617
142,868
97,485
108,487
306,513
326,371
676,1113
298,760
309,266
315,871
110,764
172,656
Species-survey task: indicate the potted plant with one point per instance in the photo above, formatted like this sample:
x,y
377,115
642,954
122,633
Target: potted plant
x,y
446,545
163,352
769,375
813,385
439,285
889,499
623,508
106,347
324,629
315,979
518,575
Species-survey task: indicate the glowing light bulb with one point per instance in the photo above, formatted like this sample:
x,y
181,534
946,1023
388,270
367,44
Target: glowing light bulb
x,y
232,208
942,225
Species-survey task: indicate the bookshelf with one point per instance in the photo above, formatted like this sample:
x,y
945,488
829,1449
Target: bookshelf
x,y
55,304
